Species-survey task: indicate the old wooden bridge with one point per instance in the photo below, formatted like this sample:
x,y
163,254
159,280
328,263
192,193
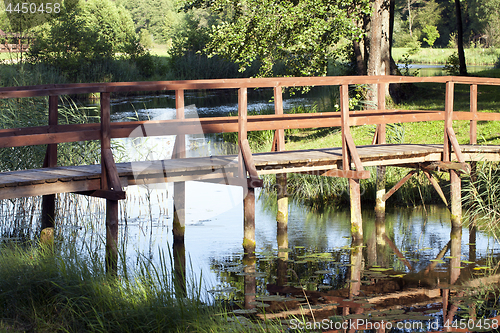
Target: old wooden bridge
x,y
108,179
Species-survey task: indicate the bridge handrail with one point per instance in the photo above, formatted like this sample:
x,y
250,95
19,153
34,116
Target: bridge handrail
x,y
53,133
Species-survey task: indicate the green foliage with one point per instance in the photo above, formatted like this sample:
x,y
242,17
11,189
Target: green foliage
x,y
145,39
431,33
151,15
482,196
33,112
452,66
414,46
301,34
85,34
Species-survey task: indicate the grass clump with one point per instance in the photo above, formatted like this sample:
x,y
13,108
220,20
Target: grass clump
x,y
482,196
44,292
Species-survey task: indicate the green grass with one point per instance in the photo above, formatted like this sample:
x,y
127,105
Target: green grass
x,y
473,56
322,191
43,291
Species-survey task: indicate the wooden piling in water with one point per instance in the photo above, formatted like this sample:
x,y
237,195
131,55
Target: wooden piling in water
x,y
356,220
249,221
111,236
456,199
111,205
349,152
281,178
179,222
49,201
381,133
179,253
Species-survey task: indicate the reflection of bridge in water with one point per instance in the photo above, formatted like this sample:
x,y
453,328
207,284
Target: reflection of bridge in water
x,y
349,161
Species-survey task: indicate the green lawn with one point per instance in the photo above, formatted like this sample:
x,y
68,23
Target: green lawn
x,y
427,97
478,56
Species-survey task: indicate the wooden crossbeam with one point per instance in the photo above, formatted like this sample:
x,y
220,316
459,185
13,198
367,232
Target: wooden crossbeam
x,y
105,194
399,184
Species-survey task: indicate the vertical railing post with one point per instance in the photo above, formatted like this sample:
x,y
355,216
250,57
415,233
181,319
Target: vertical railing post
x,y
281,178
379,200
354,186
111,205
344,120
242,129
448,119
455,182
49,201
473,110
248,193
179,222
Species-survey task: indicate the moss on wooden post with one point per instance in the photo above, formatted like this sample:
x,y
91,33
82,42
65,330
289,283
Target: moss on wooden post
x,y
47,219
356,220
379,200
249,222
456,199
282,216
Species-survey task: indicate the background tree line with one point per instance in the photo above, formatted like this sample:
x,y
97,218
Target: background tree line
x,y
241,38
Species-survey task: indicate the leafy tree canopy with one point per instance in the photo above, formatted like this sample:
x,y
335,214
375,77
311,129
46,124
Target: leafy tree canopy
x,y
150,15
302,34
85,31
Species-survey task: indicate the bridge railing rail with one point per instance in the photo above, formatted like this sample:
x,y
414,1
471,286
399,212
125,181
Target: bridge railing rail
x,y
54,133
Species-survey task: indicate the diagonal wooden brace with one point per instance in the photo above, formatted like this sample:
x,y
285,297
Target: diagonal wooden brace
x,y
435,183
353,151
254,180
399,184
111,171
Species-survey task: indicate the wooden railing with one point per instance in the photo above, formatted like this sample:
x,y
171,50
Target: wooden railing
x,y
53,133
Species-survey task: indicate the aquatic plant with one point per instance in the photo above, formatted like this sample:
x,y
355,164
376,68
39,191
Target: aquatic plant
x,y
482,197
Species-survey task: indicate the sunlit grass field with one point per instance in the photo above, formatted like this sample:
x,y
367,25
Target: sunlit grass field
x,y
473,56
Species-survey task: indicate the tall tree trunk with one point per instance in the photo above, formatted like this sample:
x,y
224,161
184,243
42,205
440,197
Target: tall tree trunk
x,y
359,53
379,53
460,43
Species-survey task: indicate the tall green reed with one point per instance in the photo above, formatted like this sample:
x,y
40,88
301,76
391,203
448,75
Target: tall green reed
x,y
482,197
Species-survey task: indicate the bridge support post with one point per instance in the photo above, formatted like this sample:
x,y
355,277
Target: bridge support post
x,y
379,200
49,201
179,223
179,253
356,220
282,216
380,134
456,200
111,236
249,222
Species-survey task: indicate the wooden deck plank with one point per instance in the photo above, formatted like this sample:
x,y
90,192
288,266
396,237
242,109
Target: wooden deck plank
x,y
81,178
